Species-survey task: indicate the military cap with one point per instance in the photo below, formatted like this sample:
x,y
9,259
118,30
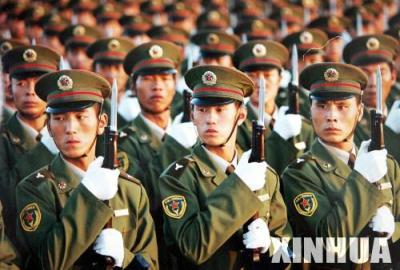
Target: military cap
x,y
249,9
135,25
79,35
9,44
179,11
259,54
310,41
69,90
328,81
290,14
256,28
152,6
28,60
366,15
213,42
53,24
394,32
332,25
369,49
83,5
169,33
33,14
110,49
212,20
217,85
109,11
14,9
157,56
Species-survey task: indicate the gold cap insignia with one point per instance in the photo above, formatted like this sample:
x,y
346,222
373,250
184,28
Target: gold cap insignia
x,y
213,16
79,30
212,39
331,75
179,6
65,83
114,45
30,55
372,44
257,24
287,12
5,47
156,51
306,37
209,78
259,50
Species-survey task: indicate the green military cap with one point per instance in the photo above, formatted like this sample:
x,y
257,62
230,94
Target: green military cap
x,y
110,49
217,85
169,33
79,35
366,14
33,14
310,41
179,11
370,49
213,42
69,90
135,25
260,54
83,5
9,44
109,11
157,56
290,13
27,60
330,81
212,20
152,6
256,28
249,9
53,24
332,25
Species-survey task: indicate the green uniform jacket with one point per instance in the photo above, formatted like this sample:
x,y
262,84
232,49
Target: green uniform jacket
x,y
279,152
204,211
59,219
325,198
393,95
7,252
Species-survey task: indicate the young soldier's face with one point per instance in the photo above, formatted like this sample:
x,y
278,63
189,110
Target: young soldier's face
x,y
309,60
225,61
388,80
155,92
74,132
334,120
111,71
214,123
78,58
272,82
28,104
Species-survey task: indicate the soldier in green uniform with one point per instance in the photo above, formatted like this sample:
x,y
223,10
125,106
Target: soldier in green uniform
x,y
108,55
62,208
335,190
206,204
286,135
25,129
7,251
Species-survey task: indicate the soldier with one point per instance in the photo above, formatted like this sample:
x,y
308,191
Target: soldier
x,y
335,190
287,135
25,129
62,237
202,213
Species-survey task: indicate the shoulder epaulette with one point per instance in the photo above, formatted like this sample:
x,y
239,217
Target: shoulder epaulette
x,y
129,177
126,132
177,168
299,162
41,174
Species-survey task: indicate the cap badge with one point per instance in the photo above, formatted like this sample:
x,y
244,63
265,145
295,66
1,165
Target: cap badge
x,y
213,16
65,83
212,39
373,43
156,51
30,55
114,45
306,37
79,30
287,12
331,75
209,78
5,47
256,25
259,50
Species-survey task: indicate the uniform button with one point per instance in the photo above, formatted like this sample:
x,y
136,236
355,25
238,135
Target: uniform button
x,y
62,185
143,137
206,172
327,165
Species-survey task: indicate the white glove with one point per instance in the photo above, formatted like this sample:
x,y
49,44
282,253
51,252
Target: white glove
x,y
177,119
184,133
393,119
383,221
252,174
257,236
129,107
110,243
287,125
372,165
48,141
101,182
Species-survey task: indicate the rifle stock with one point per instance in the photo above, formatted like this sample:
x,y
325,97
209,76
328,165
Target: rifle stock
x,y
293,99
187,97
377,139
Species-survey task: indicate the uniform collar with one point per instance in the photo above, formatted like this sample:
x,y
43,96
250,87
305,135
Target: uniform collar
x,y
220,163
33,133
66,178
158,132
19,135
339,153
144,133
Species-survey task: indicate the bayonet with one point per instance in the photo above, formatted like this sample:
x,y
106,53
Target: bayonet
x,y
294,65
261,101
114,106
359,25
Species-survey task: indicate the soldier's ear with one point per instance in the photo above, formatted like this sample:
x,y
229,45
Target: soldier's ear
x,y
242,114
103,120
360,111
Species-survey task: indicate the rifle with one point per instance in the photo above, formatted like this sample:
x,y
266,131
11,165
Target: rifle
x,y
252,257
293,91
377,139
187,109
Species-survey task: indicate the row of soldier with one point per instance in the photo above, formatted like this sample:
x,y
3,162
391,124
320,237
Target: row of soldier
x,y
190,185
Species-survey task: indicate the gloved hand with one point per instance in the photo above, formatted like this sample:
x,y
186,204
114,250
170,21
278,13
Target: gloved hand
x,y
393,119
48,141
257,236
383,221
101,182
252,174
129,107
372,165
287,125
183,133
110,243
